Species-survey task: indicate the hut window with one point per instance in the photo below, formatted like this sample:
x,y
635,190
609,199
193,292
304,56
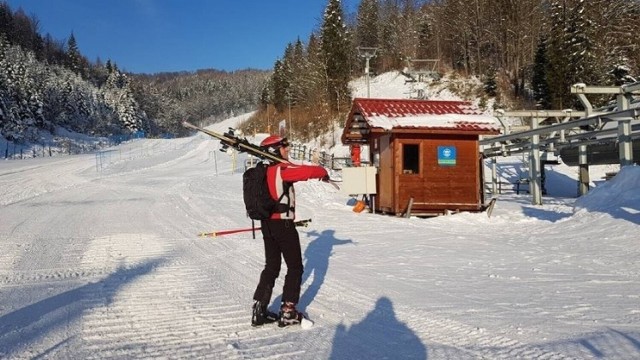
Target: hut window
x,y
410,158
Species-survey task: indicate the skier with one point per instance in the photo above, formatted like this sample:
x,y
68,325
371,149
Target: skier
x,y
281,239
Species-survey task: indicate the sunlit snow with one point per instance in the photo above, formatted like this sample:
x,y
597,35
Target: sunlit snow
x,y
104,262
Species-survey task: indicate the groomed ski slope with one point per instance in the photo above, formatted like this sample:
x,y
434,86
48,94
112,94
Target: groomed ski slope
x,y
106,264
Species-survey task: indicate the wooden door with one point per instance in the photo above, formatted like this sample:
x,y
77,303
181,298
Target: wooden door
x,y
386,174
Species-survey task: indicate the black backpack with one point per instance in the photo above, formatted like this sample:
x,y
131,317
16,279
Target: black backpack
x,y
255,191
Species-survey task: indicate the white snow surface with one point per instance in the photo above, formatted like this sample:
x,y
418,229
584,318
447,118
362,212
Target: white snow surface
x,y
104,262
435,121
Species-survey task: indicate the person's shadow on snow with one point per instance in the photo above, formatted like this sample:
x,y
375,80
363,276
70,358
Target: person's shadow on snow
x,y
380,335
316,258
37,320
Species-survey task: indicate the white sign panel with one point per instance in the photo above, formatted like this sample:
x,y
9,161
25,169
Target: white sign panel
x,y
358,180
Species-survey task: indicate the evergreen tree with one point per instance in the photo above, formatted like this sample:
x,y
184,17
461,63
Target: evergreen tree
x,y
582,60
265,95
317,79
390,55
280,86
73,59
298,67
490,84
367,31
6,118
539,77
426,36
617,38
335,52
558,45
6,19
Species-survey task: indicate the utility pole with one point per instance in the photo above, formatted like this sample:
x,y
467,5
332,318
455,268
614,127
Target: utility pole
x,y
367,53
333,132
290,125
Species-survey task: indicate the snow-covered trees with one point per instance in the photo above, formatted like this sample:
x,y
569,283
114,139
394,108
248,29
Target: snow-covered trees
x,y
36,96
312,82
367,27
336,51
73,59
21,105
533,48
45,83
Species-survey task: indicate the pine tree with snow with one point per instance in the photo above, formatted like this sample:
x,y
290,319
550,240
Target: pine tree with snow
x,y
367,30
583,65
298,68
73,58
558,47
6,117
490,83
335,52
316,75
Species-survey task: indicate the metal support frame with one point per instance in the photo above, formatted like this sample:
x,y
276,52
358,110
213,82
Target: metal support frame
x,y
367,53
583,161
534,166
530,140
494,175
624,134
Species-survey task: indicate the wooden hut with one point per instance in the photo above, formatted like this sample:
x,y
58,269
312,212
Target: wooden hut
x,y
426,153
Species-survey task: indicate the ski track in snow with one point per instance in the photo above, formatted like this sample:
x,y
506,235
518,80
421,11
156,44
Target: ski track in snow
x,y
105,264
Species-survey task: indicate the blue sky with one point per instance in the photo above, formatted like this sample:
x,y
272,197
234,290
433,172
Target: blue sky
x,y
149,36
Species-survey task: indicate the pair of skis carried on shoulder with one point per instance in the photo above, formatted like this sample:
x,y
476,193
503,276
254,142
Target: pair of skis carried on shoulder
x,y
229,139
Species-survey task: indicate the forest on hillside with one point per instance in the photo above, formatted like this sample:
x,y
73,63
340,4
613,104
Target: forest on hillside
x,y
527,53
47,83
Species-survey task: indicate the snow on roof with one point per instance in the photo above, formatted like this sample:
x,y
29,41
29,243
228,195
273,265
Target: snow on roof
x,y
444,121
402,113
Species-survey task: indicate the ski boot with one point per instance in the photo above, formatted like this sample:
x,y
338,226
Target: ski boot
x,y
289,315
261,315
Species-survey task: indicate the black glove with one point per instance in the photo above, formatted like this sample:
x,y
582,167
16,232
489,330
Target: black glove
x,y
325,178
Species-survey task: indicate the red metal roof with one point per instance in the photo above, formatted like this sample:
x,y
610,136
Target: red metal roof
x,y
423,114
404,107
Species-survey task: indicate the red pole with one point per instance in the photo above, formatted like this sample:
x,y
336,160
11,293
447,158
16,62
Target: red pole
x,y
234,231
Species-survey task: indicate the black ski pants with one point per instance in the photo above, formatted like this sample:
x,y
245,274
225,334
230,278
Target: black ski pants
x,y
281,240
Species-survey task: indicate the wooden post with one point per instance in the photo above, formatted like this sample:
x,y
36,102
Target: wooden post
x,y
407,214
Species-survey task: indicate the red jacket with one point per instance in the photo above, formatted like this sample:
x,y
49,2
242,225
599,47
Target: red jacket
x,y
281,173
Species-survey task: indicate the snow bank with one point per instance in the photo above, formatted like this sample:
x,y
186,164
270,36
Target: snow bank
x,y
620,196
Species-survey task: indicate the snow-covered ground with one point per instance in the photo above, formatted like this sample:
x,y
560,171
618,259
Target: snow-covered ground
x,y
101,260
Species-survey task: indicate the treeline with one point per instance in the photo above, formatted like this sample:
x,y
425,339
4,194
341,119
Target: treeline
x,y
46,83
201,96
528,52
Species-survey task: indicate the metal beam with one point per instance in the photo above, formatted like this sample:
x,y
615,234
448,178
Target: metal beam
x,y
631,88
545,113
588,89
584,89
596,119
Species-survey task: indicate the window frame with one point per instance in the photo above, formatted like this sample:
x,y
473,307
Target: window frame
x,y
417,161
